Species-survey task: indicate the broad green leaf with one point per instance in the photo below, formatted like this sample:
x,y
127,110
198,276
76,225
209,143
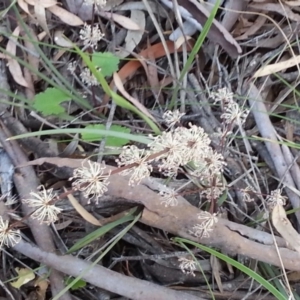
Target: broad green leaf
x,y
117,98
110,140
48,102
108,62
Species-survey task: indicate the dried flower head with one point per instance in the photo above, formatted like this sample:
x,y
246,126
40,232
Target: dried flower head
x,y
88,77
90,35
72,67
233,114
91,180
187,266
246,193
172,118
206,226
11,200
196,141
44,204
173,150
211,164
138,158
214,191
8,237
276,199
222,95
169,197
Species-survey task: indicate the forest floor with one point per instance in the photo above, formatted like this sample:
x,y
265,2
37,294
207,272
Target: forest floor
x,y
149,149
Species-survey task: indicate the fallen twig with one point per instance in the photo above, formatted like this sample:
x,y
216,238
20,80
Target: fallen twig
x,y
130,287
268,132
26,181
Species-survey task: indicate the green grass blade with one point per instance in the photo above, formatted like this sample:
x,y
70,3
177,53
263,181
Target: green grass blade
x,y
117,98
101,231
195,50
61,83
137,138
238,265
121,234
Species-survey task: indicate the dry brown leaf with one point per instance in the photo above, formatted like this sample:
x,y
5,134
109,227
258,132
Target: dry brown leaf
x,y
285,228
233,10
259,22
216,271
57,161
13,66
65,16
41,35
33,56
181,40
111,4
274,68
135,102
24,6
121,20
82,211
40,15
293,3
153,80
133,37
63,225
44,3
61,40
279,8
217,33
132,66
42,285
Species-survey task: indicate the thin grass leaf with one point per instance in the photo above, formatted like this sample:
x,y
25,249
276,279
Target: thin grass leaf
x,y
238,265
270,272
101,231
137,138
121,234
195,50
117,98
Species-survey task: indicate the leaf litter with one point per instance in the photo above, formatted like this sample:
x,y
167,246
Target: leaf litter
x,y
249,42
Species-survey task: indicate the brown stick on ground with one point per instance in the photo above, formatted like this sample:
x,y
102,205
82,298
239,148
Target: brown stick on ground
x,y
179,220
26,181
130,287
268,132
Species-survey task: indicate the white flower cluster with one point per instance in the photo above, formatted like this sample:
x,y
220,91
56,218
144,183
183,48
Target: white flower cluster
x,y
203,229
91,180
90,35
187,266
138,162
183,145
171,150
88,77
44,204
168,197
8,236
172,118
275,199
233,114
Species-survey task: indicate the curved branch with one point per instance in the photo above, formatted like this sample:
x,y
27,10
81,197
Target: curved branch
x,y
130,287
